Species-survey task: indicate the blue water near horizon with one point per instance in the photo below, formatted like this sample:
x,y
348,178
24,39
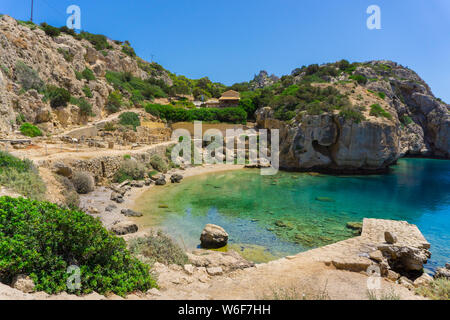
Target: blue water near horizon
x,y
313,209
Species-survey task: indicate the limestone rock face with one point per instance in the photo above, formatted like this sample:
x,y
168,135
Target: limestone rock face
x,y
420,125
331,143
213,236
405,258
47,57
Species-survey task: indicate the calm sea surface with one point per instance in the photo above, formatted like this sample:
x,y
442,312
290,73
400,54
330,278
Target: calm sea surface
x,y
269,217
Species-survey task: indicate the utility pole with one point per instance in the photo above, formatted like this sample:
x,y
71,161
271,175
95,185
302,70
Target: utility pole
x,y
32,2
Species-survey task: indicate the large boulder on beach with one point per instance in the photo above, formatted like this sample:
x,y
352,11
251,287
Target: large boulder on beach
x,y
176,178
161,181
213,237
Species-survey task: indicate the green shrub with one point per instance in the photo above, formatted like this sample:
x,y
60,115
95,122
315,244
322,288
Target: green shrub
x,y
128,50
83,182
87,92
382,95
50,30
178,114
21,176
352,113
88,74
159,248
130,119
78,75
109,126
28,78
377,111
42,240
159,163
100,42
137,97
114,103
29,130
59,97
65,29
85,107
406,120
130,170
71,197
359,78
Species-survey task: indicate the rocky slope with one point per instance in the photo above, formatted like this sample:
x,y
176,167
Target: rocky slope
x,y
55,61
418,124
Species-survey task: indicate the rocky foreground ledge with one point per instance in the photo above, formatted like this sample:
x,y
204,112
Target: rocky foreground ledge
x,y
336,271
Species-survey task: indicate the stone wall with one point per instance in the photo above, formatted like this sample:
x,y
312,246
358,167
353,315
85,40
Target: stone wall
x,y
107,166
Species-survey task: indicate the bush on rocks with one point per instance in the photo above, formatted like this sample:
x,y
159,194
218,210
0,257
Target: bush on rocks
x,y
83,182
71,197
130,170
59,97
21,176
159,163
28,77
29,130
159,248
41,240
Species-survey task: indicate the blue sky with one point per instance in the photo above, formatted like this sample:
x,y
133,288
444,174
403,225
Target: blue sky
x,y
230,41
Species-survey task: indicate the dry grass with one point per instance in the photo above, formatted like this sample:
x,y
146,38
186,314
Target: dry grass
x,y
296,293
438,289
384,295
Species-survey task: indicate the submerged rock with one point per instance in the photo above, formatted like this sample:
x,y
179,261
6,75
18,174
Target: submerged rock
x,y
213,237
161,181
357,226
325,199
131,213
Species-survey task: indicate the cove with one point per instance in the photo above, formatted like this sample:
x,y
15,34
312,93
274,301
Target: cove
x,y
268,217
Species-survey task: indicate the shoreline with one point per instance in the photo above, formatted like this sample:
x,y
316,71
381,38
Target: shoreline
x,y
130,200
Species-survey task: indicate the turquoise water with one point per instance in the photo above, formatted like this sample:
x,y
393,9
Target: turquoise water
x,y
269,217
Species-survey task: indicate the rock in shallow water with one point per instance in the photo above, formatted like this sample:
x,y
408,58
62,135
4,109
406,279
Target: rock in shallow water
x,y
176,178
213,237
131,213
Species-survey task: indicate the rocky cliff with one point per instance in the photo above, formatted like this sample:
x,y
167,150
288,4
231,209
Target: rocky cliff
x,y
415,122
